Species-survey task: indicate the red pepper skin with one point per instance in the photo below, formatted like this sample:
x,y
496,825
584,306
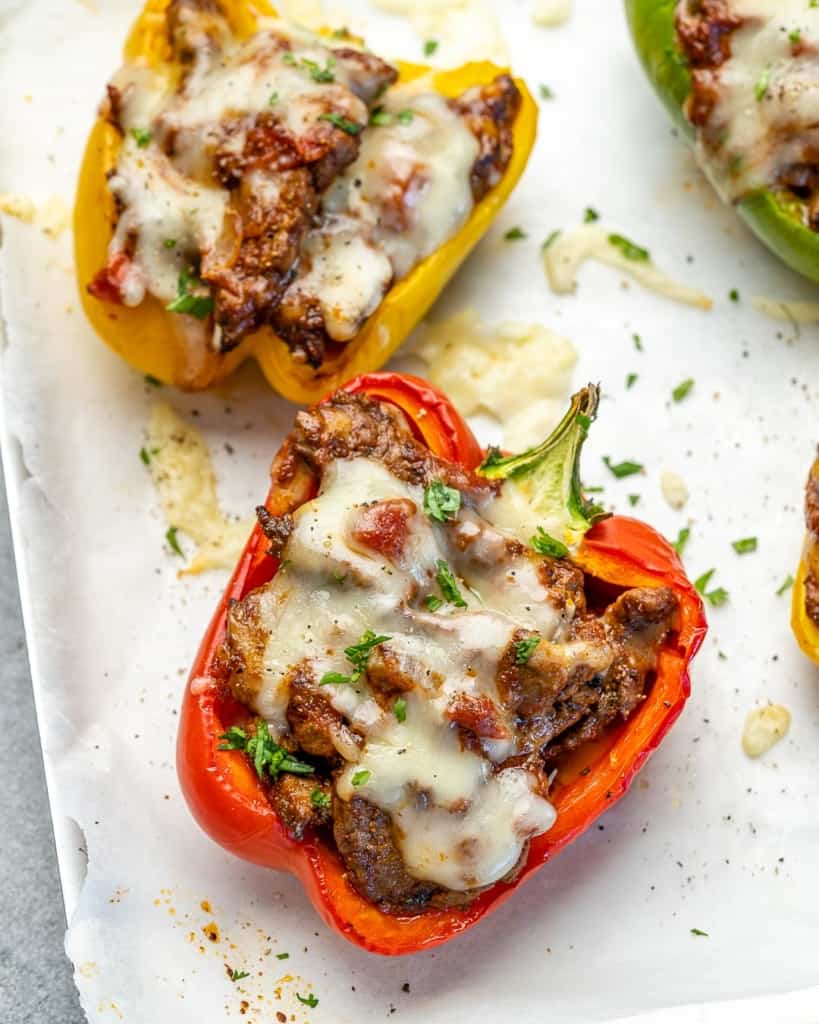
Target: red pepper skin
x,y
227,800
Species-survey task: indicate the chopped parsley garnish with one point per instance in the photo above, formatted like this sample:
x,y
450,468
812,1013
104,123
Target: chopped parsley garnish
x,y
623,469
361,777
638,342
380,116
141,137
267,756
590,215
273,100
146,458
524,649
169,243
173,542
544,544
545,92
550,238
744,546
715,597
762,83
733,295
316,71
795,36
310,1000
515,234
238,975
155,382
399,709
432,602
699,931
683,389
318,798
447,583
682,540
282,956
701,582
404,116
430,46
350,127
199,306
631,379
633,499
339,577
358,655
629,249
787,583
441,502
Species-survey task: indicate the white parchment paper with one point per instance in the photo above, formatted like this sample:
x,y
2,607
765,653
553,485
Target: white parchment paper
x,y
706,840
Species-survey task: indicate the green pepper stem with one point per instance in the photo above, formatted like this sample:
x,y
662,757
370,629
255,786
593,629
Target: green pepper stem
x,y
549,474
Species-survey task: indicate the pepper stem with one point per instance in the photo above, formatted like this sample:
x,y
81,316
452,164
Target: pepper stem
x,y
548,476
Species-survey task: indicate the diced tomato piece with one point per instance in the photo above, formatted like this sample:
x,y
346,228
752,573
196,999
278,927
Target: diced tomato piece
x,y
107,284
478,714
383,526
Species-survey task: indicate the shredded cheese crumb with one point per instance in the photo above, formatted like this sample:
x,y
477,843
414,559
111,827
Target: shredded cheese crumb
x,y
183,475
673,489
20,207
551,12
765,727
569,251
519,373
465,30
793,312
53,216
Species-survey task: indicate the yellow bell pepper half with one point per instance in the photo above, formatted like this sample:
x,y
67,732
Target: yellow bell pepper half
x,y
804,628
152,340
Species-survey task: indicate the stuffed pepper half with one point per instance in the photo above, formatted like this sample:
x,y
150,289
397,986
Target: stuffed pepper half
x,y
426,677
805,608
740,79
252,189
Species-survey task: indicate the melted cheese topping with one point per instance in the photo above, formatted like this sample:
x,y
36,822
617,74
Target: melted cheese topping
x,y
767,114
406,194
473,826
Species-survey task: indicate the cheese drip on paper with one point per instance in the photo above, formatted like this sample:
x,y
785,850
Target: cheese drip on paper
x,y
51,216
464,30
182,473
519,373
551,12
794,312
570,250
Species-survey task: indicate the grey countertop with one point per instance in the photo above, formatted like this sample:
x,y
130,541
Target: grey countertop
x,y
35,975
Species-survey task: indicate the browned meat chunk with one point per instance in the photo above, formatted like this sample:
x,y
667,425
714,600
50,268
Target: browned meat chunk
x,y
704,28
300,802
812,521
312,719
490,111
277,529
812,597
386,675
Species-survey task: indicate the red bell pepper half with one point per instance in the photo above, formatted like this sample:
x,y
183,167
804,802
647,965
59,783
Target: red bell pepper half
x,y
224,792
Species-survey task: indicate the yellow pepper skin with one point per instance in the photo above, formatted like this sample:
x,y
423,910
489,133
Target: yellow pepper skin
x,y
151,339
805,630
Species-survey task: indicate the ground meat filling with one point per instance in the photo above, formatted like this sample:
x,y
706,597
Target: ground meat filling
x,y
564,694
704,31
812,520
275,166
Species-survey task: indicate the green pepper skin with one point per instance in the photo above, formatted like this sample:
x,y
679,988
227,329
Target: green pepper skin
x,y
779,220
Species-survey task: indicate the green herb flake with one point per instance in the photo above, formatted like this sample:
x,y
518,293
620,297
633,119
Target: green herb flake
x,y
633,499
404,116
430,46
361,777
722,655
441,502
744,546
701,582
358,655
524,649
630,249
399,709
141,137
267,756
683,389
787,583
282,956
169,243
432,602
699,931
590,215
717,598
545,92
795,36
318,798
762,83
273,99
154,382
238,975
380,116
146,458
448,584
186,301
547,545
339,577
733,295
173,542
631,380
622,469
682,539
515,234
309,1000
350,127
550,239
638,342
